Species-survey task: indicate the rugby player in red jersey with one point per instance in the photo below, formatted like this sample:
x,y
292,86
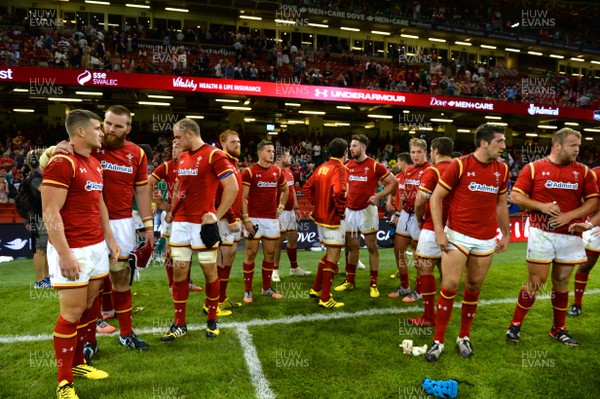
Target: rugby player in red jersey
x,y
557,191
428,252
230,226
478,183
394,203
591,240
326,189
407,228
79,247
288,222
362,215
260,212
202,168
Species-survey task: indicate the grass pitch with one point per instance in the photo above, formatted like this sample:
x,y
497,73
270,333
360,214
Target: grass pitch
x,y
294,349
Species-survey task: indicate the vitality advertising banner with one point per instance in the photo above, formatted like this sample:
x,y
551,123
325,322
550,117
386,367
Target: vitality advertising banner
x,y
285,90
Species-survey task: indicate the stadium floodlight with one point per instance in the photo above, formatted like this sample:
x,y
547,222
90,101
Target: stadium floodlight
x,y
350,29
295,122
27,110
497,118
577,59
285,21
160,97
306,112
194,116
428,128
591,130
379,116
435,39
558,56
65,99
154,103
571,124
534,53
318,25
463,43
136,5
531,134
226,100
293,104
498,123
343,107
512,50
488,46
236,108
249,119
589,138
102,3
596,62
19,90
463,130
378,32
252,17
441,120
409,36
547,127
89,93
177,9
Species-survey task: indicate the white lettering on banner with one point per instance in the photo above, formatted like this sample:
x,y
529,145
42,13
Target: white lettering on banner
x,y
483,187
461,104
358,178
533,110
560,184
187,83
187,172
6,74
355,16
266,184
97,78
360,95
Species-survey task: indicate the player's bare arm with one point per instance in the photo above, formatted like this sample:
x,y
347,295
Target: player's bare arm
x,y
155,194
230,191
112,245
420,202
503,222
53,200
143,199
523,201
284,190
391,185
589,206
247,222
435,205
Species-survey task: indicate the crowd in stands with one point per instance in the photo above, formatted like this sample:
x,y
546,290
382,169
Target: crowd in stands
x,y
253,56
510,16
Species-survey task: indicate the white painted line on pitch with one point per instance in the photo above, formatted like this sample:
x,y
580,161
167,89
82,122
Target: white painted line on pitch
x,y
259,380
334,315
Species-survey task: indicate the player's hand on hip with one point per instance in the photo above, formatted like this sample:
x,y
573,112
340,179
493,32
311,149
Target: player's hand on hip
x,y
441,239
580,227
169,217
373,200
64,147
69,267
502,244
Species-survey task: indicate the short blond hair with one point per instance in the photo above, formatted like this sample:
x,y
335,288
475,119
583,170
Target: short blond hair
x,y
417,143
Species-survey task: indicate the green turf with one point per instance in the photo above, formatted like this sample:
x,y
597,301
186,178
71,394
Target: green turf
x,y
350,357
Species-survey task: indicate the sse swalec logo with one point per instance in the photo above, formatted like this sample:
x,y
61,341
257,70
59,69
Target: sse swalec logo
x,y
97,78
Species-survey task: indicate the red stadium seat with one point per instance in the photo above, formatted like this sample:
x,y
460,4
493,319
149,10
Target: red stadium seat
x,y
4,218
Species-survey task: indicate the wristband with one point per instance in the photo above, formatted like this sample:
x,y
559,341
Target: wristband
x,y
215,218
397,213
281,207
148,224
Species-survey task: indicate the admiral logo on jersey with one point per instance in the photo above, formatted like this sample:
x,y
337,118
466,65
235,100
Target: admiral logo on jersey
x,y
91,185
561,185
188,172
116,168
358,178
266,184
483,187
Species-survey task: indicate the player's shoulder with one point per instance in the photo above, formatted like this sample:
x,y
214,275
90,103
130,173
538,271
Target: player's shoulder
x,y
64,161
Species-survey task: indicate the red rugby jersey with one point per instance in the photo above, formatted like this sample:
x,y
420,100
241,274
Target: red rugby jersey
x,y
81,215
199,174
475,187
569,185
400,190
124,169
412,181
264,183
429,180
289,180
362,182
326,190
167,171
235,212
